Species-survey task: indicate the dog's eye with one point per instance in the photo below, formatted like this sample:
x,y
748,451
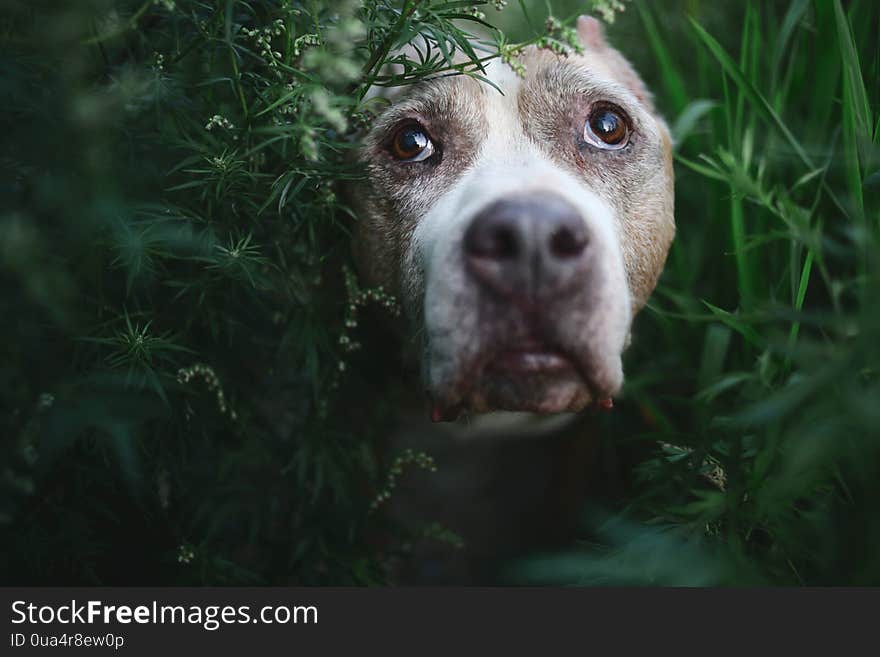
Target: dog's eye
x,y
412,144
606,128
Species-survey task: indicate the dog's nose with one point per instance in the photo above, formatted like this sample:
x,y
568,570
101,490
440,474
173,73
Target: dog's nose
x,y
533,245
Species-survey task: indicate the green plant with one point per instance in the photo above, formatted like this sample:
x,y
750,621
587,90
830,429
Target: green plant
x,y
753,390
181,369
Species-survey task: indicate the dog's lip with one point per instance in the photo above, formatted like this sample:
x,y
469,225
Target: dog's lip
x,y
530,356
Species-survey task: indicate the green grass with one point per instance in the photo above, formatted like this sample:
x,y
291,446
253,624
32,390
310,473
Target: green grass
x,y
753,376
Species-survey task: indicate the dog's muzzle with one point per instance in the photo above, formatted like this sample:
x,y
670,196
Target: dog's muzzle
x,y
537,321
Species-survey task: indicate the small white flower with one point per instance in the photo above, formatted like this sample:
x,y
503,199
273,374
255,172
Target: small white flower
x,y
219,121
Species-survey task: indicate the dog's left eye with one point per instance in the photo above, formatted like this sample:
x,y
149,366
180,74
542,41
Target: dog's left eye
x,y
412,144
606,128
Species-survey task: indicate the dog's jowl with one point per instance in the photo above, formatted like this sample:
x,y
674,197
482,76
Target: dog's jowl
x,y
522,229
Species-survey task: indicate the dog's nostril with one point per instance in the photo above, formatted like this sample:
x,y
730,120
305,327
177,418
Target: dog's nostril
x,y
493,238
568,242
505,244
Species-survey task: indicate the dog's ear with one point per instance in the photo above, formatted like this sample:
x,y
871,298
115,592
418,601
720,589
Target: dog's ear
x,y
592,36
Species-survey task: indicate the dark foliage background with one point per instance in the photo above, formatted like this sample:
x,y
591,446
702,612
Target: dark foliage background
x,y
189,383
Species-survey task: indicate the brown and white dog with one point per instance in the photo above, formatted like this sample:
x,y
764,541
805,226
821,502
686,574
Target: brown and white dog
x,y
522,229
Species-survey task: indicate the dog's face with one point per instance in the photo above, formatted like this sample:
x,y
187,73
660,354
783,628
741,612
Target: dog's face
x,y
521,230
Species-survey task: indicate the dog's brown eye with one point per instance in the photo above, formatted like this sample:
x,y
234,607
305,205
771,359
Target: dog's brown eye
x,y
412,144
606,128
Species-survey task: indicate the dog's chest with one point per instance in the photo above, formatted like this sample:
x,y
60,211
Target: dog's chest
x,y
504,486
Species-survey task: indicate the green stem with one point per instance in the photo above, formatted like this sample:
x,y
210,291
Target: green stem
x,y
798,304
130,25
238,89
378,57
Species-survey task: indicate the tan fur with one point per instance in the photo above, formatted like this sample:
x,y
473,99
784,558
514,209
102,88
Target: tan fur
x,y
391,201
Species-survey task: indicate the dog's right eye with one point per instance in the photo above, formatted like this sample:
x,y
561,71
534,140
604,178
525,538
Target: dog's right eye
x,y
412,144
607,128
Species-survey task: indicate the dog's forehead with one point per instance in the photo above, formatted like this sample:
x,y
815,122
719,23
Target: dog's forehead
x,y
545,76
550,74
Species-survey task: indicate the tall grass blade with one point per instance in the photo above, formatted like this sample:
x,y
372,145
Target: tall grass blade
x,y
672,80
856,111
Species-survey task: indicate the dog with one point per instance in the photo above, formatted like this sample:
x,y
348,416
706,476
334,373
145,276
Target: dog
x,y
522,224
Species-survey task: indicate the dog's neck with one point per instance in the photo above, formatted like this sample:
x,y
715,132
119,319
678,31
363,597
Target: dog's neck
x,y
504,483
